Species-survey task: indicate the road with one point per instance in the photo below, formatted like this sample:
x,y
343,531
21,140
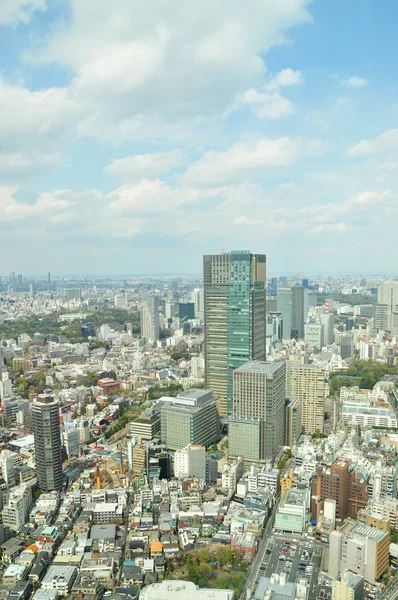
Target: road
x,y
256,564
125,535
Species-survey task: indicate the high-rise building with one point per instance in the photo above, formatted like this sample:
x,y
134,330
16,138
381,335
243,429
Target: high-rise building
x,y
32,292
327,322
48,449
190,462
186,310
347,345
150,319
49,282
293,420
12,280
189,418
197,297
341,483
382,317
234,315
71,441
292,303
7,468
259,393
387,294
20,281
285,308
307,383
313,335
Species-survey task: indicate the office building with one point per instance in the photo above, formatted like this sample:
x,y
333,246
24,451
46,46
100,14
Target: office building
x,y
246,437
291,514
234,315
387,296
186,310
359,548
12,280
293,420
259,392
292,303
19,281
313,335
7,468
48,449
327,322
347,345
150,319
340,482
382,317
307,383
274,329
16,506
121,301
189,418
32,291
88,330
71,441
190,462
347,586
197,297
147,426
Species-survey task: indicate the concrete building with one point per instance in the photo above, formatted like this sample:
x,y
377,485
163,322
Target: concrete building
x,y
60,578
48,449
361,549
313,335
190,462
181,590
259,392
347,345
121,301
234,315
16,506
150,319
307,383
189,418
292,303
71,441
197,297
382,317
232,473
348,586
147,426
327,322
293,511
7,468
293,420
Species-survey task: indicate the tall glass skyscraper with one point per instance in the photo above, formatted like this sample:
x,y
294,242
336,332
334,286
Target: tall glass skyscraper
x,y
234,315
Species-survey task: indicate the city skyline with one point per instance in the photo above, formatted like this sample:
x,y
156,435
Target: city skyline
x,y
134,154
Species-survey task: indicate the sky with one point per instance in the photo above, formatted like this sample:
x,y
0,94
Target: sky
x,y
137,136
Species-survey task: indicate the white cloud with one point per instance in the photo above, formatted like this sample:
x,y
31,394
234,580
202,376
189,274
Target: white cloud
x,y
245,160
14,11
143,166
270,105
353,82
288,77
167,61
17,164
331,228
268,102
48,204
384,142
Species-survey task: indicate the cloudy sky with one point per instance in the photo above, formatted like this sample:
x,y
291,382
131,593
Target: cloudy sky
x,y
136,136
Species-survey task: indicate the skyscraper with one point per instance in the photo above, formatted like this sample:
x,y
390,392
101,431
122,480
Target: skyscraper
x,y
307,383
234,315
259,393
293,304
387,295
47,434
150,319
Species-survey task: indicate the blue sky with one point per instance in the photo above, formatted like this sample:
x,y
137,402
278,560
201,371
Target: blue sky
x,y
136,136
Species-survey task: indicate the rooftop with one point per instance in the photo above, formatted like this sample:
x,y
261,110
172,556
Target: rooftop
x,y
181,590
260,366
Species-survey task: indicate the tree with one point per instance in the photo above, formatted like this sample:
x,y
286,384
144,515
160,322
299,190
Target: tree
x,y
204,555
221,555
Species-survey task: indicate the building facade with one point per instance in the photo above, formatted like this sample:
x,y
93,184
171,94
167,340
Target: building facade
x,y
48,448
234,316
307,383
150,319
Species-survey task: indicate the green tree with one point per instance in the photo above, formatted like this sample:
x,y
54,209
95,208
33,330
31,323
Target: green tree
x,y
204,555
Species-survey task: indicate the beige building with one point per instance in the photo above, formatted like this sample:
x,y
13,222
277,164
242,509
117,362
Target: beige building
x,y
359,548
348,586
307,383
